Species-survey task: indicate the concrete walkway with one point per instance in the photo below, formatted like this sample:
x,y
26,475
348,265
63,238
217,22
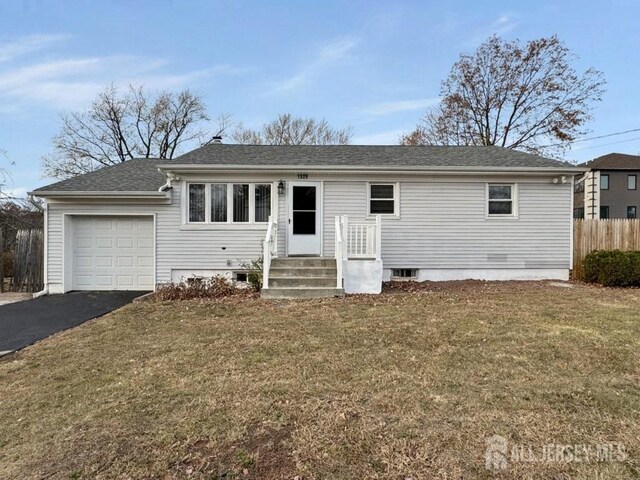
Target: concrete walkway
x,y
12,297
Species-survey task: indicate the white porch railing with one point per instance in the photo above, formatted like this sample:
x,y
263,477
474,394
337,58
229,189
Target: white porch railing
x,y
340,253
362,239
269,250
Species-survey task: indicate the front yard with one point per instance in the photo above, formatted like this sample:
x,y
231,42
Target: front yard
x,y
401,385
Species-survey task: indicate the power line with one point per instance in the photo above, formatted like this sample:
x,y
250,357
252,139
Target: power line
x,y
606,144
594,138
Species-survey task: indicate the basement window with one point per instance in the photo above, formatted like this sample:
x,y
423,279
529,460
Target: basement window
x,y
404,273
240,276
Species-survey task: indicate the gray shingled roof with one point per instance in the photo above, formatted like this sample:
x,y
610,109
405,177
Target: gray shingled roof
x,y
363,156
137,175
142,174
614,161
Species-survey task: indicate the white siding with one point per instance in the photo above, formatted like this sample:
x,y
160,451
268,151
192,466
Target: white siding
x,y
176,247
442,225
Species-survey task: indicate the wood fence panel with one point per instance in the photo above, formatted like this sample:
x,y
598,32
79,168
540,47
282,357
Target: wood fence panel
x,y
28,269
603,234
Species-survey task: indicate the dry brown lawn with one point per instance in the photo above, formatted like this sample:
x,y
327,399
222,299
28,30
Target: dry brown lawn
x,y
401,385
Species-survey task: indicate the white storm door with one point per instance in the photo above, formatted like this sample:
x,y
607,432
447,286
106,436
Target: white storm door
x,y
305,216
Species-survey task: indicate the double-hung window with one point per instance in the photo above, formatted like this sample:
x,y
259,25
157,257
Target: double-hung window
x,y
632,211
632,182
217,203
501,200
383,199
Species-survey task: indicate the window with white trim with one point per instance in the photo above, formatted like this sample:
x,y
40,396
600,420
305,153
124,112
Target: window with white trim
x,y
197,202
501,200
217,203
383,199
404,273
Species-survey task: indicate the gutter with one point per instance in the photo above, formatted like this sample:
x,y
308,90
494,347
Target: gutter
x,y
34,203
91,194
371,169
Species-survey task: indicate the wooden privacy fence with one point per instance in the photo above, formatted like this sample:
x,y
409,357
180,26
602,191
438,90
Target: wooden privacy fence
x,y
28,266
605,234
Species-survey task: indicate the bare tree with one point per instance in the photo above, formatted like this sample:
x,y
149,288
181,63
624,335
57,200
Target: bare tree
x,y
516,96
289,130
5,175
121,126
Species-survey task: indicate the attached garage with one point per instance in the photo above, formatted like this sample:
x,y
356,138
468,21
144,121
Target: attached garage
x,y
112,253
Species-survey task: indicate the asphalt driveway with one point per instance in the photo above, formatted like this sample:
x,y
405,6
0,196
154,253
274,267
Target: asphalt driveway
x,y
24,323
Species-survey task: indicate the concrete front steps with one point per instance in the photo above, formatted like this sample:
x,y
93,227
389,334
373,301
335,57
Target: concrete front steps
x,y
302,277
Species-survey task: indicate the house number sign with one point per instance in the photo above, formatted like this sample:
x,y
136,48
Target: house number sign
x,y
303,176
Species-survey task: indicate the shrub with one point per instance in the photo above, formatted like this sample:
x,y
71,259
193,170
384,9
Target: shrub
x,y
612,268
197,287
254,273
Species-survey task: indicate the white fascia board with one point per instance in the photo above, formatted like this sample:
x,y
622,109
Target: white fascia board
x,y
200,168
99,195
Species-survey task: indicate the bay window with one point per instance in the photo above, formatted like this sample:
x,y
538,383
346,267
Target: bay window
x,y
218,203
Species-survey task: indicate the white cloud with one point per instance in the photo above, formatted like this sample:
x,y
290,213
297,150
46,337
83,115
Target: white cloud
x,y
388,137
388,108
71,83
13,193
325,57
30,43
500,26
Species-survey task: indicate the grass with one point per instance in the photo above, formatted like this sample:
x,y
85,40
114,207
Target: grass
x,y
401,385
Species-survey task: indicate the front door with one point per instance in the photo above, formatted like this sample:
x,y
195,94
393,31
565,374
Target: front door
x,y
304,218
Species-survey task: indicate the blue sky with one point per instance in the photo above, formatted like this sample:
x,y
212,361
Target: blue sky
x,y
372,65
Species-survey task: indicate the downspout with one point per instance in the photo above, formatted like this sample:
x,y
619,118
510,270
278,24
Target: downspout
x,y
167,185
45,227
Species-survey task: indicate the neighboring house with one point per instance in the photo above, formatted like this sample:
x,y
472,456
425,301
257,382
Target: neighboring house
x,y
374,212
609,189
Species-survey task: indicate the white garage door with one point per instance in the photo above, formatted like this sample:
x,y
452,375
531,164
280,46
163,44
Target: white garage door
x,y
112,253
